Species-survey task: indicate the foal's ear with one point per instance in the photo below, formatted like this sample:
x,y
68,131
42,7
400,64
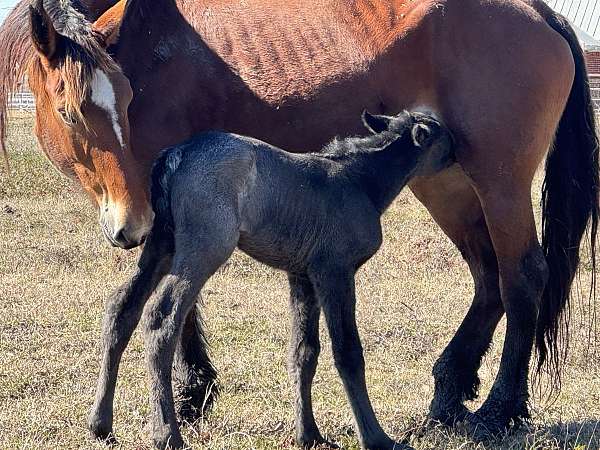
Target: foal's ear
x,y
46,39
375,124
421,134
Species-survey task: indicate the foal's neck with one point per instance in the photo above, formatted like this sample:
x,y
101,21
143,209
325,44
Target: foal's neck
x,y
380,164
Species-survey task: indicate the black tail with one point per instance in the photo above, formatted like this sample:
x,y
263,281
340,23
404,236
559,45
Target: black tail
x,y
162,171
570,203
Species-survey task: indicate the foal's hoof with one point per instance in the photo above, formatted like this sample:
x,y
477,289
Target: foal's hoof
x,y
171,441
315,443
387,444
102,432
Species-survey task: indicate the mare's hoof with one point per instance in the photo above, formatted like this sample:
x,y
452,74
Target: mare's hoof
x,y
447,417
489,423
482,429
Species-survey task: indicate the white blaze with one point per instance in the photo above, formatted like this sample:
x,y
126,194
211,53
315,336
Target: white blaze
x,y
103,96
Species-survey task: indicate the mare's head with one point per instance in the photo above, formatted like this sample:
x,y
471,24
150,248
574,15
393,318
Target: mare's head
x,y
424,131
81,118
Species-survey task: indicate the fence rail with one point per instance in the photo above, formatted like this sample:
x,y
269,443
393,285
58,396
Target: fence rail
x,y
25,101
22,101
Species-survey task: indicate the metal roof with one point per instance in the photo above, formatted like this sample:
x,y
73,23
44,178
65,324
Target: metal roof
x,y
584,14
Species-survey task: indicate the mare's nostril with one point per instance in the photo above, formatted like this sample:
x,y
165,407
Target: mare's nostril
x,y
120,239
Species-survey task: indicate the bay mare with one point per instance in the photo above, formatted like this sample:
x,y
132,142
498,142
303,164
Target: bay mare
x,y
507,76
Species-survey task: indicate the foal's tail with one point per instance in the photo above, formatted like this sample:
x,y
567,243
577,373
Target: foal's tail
x,y
162,171
570,203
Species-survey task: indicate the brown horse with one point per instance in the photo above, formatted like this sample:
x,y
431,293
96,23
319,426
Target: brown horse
x,y
507,76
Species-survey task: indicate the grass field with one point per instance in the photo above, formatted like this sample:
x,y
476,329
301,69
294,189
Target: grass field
x,y
56,271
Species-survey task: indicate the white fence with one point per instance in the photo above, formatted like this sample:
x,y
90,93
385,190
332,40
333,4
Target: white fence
x,y
596,99
22,100
595,88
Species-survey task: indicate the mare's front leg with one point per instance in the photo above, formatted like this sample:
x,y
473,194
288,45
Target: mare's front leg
x,y
122,314
196,259
334,288
303,355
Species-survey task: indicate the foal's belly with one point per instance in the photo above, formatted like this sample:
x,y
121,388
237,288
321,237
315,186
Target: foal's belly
x,y
279,251
274,260
344,236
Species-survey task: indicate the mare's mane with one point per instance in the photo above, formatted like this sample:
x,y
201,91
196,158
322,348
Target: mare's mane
x,y
80,55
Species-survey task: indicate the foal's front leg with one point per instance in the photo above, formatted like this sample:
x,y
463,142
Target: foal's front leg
x,y
335,290
303,355
122,314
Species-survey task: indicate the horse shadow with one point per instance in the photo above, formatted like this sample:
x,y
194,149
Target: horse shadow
x,y
581,434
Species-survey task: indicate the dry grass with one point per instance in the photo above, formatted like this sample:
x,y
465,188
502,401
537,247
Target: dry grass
x,y
56,270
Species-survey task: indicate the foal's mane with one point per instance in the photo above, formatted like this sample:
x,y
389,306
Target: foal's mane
x,y
349,147
80,55
340,148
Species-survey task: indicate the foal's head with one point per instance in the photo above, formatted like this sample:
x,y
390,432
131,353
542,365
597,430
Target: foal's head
x,y
425,131
81,118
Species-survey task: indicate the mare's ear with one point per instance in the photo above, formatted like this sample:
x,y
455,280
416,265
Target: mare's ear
x,y
46,40
375,124
108,25
421,134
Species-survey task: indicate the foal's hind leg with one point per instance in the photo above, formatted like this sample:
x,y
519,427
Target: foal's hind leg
x,y
335,290
123,311
196,258
454,205
304,349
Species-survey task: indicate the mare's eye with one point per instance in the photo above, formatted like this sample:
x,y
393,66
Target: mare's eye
x,y
67,118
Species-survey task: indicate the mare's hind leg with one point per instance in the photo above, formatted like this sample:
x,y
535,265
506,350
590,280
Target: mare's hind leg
x,y
334,288
523,274
194,376
122,314
454,205
303,355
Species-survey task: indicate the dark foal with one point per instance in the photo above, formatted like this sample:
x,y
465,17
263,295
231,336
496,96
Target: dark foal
x,y
316,216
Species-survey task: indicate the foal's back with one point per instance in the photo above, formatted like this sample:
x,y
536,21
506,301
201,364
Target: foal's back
x,y
286,209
